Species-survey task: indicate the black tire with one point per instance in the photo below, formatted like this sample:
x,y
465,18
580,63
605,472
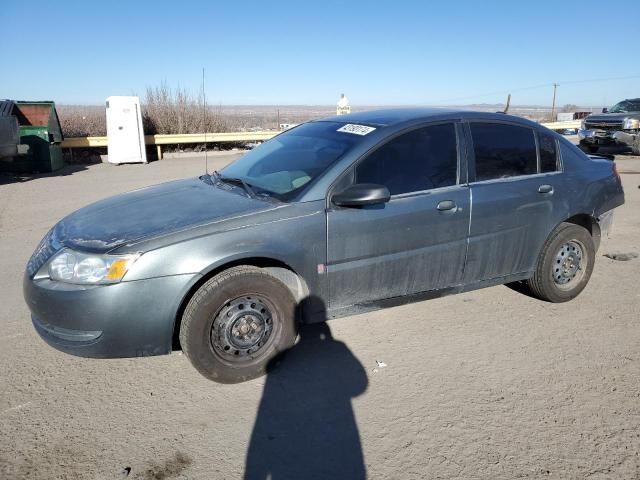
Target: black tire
x,y
635,148
567,246
220,307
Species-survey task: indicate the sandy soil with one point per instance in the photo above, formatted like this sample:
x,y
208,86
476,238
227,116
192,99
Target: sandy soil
x,y
488,384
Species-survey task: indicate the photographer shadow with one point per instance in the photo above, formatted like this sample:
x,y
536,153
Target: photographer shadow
x,y
305,426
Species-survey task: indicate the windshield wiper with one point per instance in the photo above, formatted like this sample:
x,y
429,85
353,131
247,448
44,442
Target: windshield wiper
x,y
236,181
250,189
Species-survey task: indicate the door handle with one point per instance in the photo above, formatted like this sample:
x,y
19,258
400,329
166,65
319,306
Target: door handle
x,y
447,206
545,189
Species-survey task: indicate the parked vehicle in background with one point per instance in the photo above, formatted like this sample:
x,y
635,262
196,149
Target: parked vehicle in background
x,y
330,218
619,125
569,116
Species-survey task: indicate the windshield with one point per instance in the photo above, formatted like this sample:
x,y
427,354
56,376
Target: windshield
x,y
626,106
288,163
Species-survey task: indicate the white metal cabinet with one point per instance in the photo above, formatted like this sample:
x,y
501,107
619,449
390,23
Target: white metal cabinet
x,y
125,135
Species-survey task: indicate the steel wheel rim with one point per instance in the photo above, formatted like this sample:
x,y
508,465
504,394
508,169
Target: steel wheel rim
x,y
243,328
569,264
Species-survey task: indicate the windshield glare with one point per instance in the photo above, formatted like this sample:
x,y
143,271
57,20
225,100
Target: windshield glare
x,y
626,106
286,164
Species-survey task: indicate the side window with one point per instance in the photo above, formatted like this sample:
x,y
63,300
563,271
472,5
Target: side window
x,y
503,150
548,153
422,159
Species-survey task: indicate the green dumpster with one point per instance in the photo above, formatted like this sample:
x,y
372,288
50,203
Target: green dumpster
x,y
40,129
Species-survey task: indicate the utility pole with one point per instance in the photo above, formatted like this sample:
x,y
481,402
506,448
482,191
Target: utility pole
x,y
553,106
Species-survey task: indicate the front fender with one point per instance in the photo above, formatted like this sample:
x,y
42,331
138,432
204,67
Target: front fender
x,y
299,242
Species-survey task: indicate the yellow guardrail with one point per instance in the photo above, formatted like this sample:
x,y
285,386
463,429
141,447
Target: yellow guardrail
x,y
84,142
159,140
89,142
209,137
569,125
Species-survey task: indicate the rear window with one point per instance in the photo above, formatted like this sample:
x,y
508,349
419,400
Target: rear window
x,y
503,150
548,152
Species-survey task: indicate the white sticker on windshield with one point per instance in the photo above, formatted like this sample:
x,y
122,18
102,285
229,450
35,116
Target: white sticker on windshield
x,y
356,129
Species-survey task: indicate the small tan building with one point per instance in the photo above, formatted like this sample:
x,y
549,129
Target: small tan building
x,y
343,106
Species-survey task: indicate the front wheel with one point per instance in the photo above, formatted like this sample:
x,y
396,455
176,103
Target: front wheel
x,y
565,264
236,323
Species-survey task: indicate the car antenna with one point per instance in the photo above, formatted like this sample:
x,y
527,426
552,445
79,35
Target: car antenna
x,y
204,125
506,108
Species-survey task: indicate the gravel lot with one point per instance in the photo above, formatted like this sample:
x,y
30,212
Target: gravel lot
x,y
487,384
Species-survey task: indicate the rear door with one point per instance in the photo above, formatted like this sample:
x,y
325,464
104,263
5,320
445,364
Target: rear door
x,y
416,241
513,189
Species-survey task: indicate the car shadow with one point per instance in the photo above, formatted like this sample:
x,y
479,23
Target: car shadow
x,y
305,426
522,288
610,150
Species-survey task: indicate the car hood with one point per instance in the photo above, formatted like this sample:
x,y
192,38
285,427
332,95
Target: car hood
x,y
611,117
152,212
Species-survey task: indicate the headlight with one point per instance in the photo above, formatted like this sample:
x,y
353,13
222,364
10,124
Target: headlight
x,y
631,124
86,268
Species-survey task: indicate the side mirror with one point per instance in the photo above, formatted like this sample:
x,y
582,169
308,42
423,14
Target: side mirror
x,y
362,194
605,110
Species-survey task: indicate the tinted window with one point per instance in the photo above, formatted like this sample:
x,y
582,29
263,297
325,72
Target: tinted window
x,y
503,151
548,155
422,159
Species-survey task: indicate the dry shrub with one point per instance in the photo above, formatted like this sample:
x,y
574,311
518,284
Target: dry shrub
x,y
167,111
164,111
82,120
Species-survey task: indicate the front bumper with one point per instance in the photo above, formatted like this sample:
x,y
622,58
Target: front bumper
x,y
604,137
127,319
625,138
596,137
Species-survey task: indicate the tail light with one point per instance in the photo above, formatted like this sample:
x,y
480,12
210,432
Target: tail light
x,y
615,171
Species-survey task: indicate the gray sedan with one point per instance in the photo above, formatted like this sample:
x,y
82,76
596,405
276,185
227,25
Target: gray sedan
x,y
330,218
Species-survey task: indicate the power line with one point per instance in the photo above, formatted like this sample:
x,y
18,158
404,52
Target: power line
x,y
534,87
501,92
632,77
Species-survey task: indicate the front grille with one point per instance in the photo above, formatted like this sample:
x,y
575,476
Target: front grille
x,y
45,249
606,126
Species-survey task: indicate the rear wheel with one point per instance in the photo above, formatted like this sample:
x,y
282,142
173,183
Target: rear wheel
x,y
236,323
635,148
565,264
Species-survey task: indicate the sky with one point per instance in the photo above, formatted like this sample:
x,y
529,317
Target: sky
x,y
305,53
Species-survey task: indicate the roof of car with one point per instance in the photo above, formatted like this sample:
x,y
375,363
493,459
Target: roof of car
x,y
394,116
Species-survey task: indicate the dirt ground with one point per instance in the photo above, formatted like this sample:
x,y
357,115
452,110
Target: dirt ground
x,y
487,384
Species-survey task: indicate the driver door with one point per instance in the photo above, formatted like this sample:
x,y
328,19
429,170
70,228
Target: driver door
x,y
417,240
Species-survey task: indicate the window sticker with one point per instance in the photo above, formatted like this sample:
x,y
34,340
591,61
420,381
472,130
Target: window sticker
x,y
356,129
